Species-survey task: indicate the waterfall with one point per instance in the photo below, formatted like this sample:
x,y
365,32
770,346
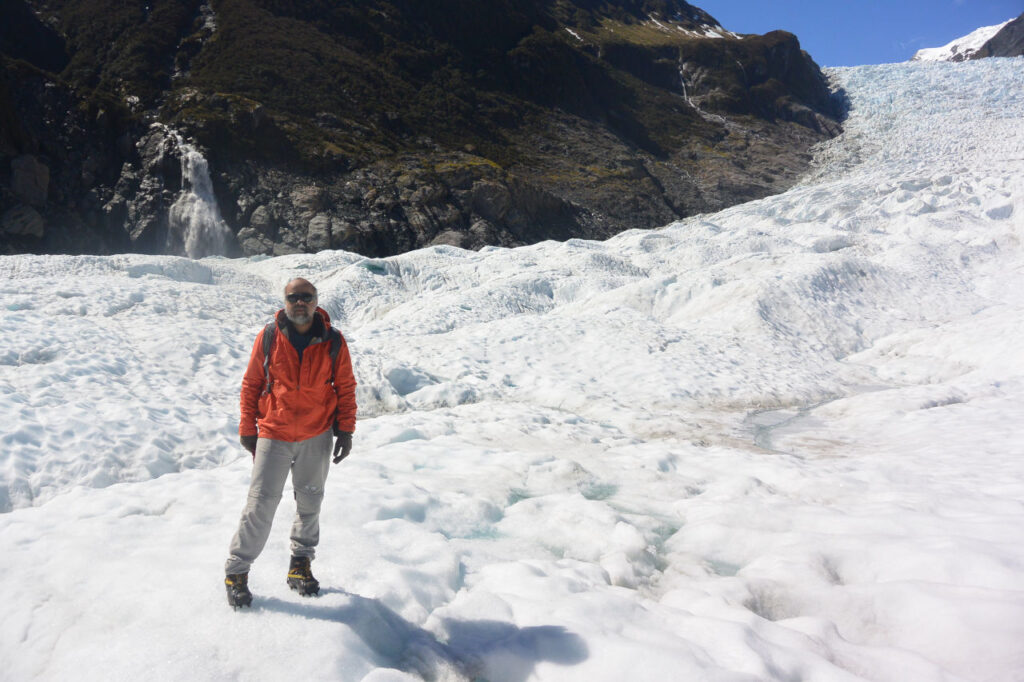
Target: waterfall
x,y
682,82
715,118
195,224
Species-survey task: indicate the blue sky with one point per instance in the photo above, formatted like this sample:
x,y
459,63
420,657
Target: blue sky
x,y
868,32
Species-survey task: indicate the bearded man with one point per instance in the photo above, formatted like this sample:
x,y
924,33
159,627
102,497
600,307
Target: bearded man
x,y
298,392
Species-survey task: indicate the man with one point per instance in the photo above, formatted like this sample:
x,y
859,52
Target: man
x,y
298,389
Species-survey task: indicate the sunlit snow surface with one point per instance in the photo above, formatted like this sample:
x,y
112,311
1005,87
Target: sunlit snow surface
x,y
960,48
780,442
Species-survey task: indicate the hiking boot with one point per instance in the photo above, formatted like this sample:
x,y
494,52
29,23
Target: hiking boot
x,y
300,578
238,590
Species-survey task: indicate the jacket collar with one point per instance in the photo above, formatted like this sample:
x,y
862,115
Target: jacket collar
x,y
319,330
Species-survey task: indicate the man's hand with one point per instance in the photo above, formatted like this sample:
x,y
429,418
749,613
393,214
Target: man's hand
x,y
249,443
343,445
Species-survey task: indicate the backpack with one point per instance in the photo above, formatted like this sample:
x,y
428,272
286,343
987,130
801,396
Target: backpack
x,y
270,334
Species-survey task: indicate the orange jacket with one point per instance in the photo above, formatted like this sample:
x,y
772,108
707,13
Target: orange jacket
x,y
301,402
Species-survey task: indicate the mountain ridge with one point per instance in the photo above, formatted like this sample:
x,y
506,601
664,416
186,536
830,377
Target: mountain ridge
x,y
999,40
385,126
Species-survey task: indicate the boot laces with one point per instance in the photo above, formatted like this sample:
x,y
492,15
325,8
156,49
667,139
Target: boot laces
x,y
300,568
239,581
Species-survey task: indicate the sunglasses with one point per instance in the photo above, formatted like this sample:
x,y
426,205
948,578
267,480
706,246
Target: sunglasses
x,y
305,297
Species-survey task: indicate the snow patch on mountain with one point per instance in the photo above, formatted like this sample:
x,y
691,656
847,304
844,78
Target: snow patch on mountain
x,y
960,49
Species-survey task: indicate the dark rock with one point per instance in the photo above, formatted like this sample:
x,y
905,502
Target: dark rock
x,y
421,222
161,157
490,200
482,233
452,238
285,250
253,243
379,131
318,237
125,146
30,179
24,36
346,235
326,119
148,233
307,199
292,237
23,220
115,214
1008,42
264,222
429,194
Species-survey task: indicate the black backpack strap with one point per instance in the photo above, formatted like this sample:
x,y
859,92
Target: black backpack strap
x,y
336,342
269,333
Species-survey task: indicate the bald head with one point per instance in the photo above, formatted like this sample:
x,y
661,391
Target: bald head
x,y
298,284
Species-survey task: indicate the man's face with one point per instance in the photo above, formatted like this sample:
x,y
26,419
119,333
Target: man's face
x,y
299,302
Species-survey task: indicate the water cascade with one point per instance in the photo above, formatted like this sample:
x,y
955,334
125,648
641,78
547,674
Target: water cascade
x,y
195,224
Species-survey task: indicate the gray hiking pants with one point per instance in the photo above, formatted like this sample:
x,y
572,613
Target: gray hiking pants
x,y
309,461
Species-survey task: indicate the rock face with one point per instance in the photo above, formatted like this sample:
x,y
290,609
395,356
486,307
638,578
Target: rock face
x,y
59,154
999,40
381,127
29,179
1009,42
22,220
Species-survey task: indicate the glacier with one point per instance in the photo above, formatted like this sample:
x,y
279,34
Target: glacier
x,y
778,442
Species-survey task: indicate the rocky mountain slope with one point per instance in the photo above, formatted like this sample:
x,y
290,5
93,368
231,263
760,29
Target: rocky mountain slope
x,y
1008,42
1001,40
381,127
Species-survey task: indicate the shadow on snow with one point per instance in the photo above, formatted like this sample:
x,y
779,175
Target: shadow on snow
x,y
493,650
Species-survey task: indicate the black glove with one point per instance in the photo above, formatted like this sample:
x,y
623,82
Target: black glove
x,y
343,445
249,443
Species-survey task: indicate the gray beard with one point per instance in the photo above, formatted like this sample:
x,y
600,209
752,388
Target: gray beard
x,y
299,319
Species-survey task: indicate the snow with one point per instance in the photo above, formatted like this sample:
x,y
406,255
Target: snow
x,y
778,442
961,48
574,34
719,32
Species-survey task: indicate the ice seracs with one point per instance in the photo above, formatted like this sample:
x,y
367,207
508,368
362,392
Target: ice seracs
x,y
777,442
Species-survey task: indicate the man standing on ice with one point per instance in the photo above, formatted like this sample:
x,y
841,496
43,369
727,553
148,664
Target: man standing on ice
x,y
298,390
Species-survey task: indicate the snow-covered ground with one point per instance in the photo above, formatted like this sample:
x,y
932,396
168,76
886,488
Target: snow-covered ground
x,y
780,442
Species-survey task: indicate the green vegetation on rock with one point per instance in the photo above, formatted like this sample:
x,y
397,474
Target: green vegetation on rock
x,y
534,118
